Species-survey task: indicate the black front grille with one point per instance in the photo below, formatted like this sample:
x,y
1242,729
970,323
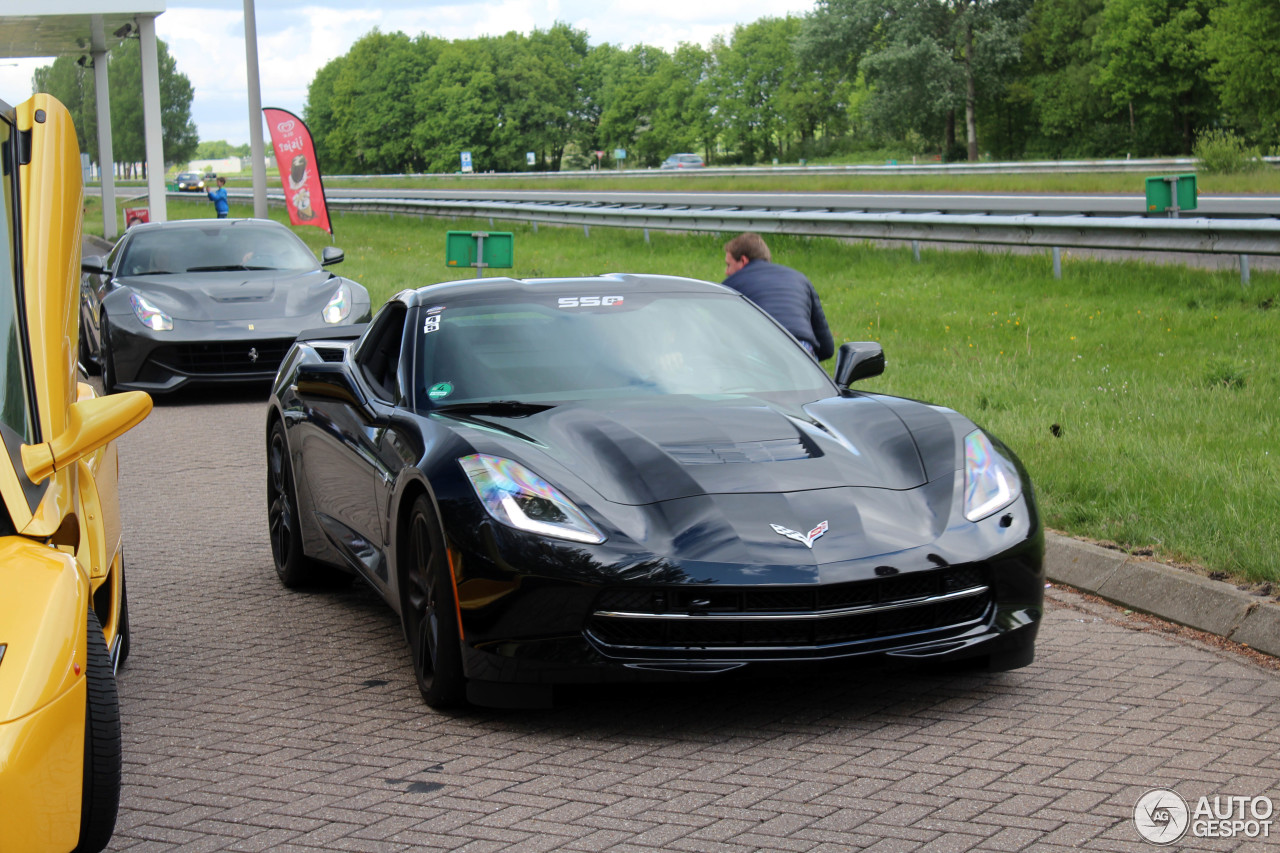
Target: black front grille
x,y
710,620
223,357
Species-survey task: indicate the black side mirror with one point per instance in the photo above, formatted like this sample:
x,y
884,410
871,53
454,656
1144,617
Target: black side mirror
x,y
93,264
858,360
330,381
331,255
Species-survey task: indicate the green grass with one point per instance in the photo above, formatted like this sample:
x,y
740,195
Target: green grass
x,y
1143,399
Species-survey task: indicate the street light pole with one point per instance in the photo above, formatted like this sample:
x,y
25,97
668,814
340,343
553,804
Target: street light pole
x,y
256,148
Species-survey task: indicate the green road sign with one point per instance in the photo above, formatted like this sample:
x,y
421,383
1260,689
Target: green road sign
x,y
1171,193
480,249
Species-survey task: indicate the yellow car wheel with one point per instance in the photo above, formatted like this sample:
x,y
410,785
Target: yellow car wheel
x,y
102,747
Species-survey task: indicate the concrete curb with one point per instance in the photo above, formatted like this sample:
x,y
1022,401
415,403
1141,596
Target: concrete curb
x,y
1173,594
96,243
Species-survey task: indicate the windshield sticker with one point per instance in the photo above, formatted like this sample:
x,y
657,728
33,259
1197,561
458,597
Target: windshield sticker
x,y
588,301
435,309
440,390
431,324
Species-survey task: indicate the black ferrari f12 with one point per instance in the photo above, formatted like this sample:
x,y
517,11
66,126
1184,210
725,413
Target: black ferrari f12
x,y
206,301
633,477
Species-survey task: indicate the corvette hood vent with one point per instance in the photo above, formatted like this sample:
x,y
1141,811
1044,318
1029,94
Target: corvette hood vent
x,y
664,449
719,453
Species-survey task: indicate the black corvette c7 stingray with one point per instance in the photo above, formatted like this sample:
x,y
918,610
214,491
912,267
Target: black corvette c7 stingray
x,y
634,477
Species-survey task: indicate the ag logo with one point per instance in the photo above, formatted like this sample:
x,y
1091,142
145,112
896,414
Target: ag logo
x,y
1161,816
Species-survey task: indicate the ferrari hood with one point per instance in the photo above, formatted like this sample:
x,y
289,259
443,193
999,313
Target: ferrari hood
x,y
674,448
237,295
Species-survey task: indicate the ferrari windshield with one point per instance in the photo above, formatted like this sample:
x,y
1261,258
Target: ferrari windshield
x,y
559,348
244,246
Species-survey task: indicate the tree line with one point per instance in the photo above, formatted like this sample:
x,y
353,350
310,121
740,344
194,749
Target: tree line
x,y
956,79
952,79
72,82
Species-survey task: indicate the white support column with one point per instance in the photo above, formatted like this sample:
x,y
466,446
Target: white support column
x,y
106,159
256,147
151,119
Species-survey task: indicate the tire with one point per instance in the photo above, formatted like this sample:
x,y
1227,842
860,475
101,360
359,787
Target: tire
x,y
428,610
293,566
100,800
108,361
89,366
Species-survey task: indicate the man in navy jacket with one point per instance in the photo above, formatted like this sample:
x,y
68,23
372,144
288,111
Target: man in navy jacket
x,y
781,292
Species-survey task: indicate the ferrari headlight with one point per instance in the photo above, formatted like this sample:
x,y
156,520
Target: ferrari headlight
x,y
990,481
339,306
519,498
151,316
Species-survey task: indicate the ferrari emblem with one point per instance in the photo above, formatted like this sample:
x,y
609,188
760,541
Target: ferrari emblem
x,y
807,539
253,354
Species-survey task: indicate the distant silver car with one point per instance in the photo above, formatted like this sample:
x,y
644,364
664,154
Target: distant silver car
x,y
683,161
190,182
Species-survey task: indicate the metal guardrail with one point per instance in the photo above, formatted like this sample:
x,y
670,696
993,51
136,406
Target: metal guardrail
x,y
1030,167
1242,237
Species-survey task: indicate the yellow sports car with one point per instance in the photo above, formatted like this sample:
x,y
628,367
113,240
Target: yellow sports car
x,y
64,625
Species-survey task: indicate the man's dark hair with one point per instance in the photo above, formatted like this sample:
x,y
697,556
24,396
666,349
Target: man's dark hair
x,y
749,244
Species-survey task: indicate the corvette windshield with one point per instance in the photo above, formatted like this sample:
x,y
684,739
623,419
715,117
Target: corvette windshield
x,y
240,247
558,348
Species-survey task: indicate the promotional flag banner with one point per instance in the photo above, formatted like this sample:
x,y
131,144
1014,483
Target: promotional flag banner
x,y
299,172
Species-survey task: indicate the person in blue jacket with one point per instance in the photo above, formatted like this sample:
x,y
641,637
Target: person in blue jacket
x,y
781,292
219,198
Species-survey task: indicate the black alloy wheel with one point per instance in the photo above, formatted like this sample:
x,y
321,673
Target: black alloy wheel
x,y
428,610
294,567
100,800
87,364
108,361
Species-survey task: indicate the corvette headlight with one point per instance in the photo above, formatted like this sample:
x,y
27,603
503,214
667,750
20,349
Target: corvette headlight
x,y
521,499
151,316
990,481
339,306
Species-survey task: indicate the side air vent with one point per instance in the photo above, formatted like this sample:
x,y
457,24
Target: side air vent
x,y
330,353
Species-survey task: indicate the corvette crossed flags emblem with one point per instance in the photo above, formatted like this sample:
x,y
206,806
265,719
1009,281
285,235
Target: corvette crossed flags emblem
x,y
806,538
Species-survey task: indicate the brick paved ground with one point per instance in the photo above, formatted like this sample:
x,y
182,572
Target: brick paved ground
x,y
262,719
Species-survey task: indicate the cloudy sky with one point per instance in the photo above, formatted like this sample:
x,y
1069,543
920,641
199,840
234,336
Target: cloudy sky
x,y
206,38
